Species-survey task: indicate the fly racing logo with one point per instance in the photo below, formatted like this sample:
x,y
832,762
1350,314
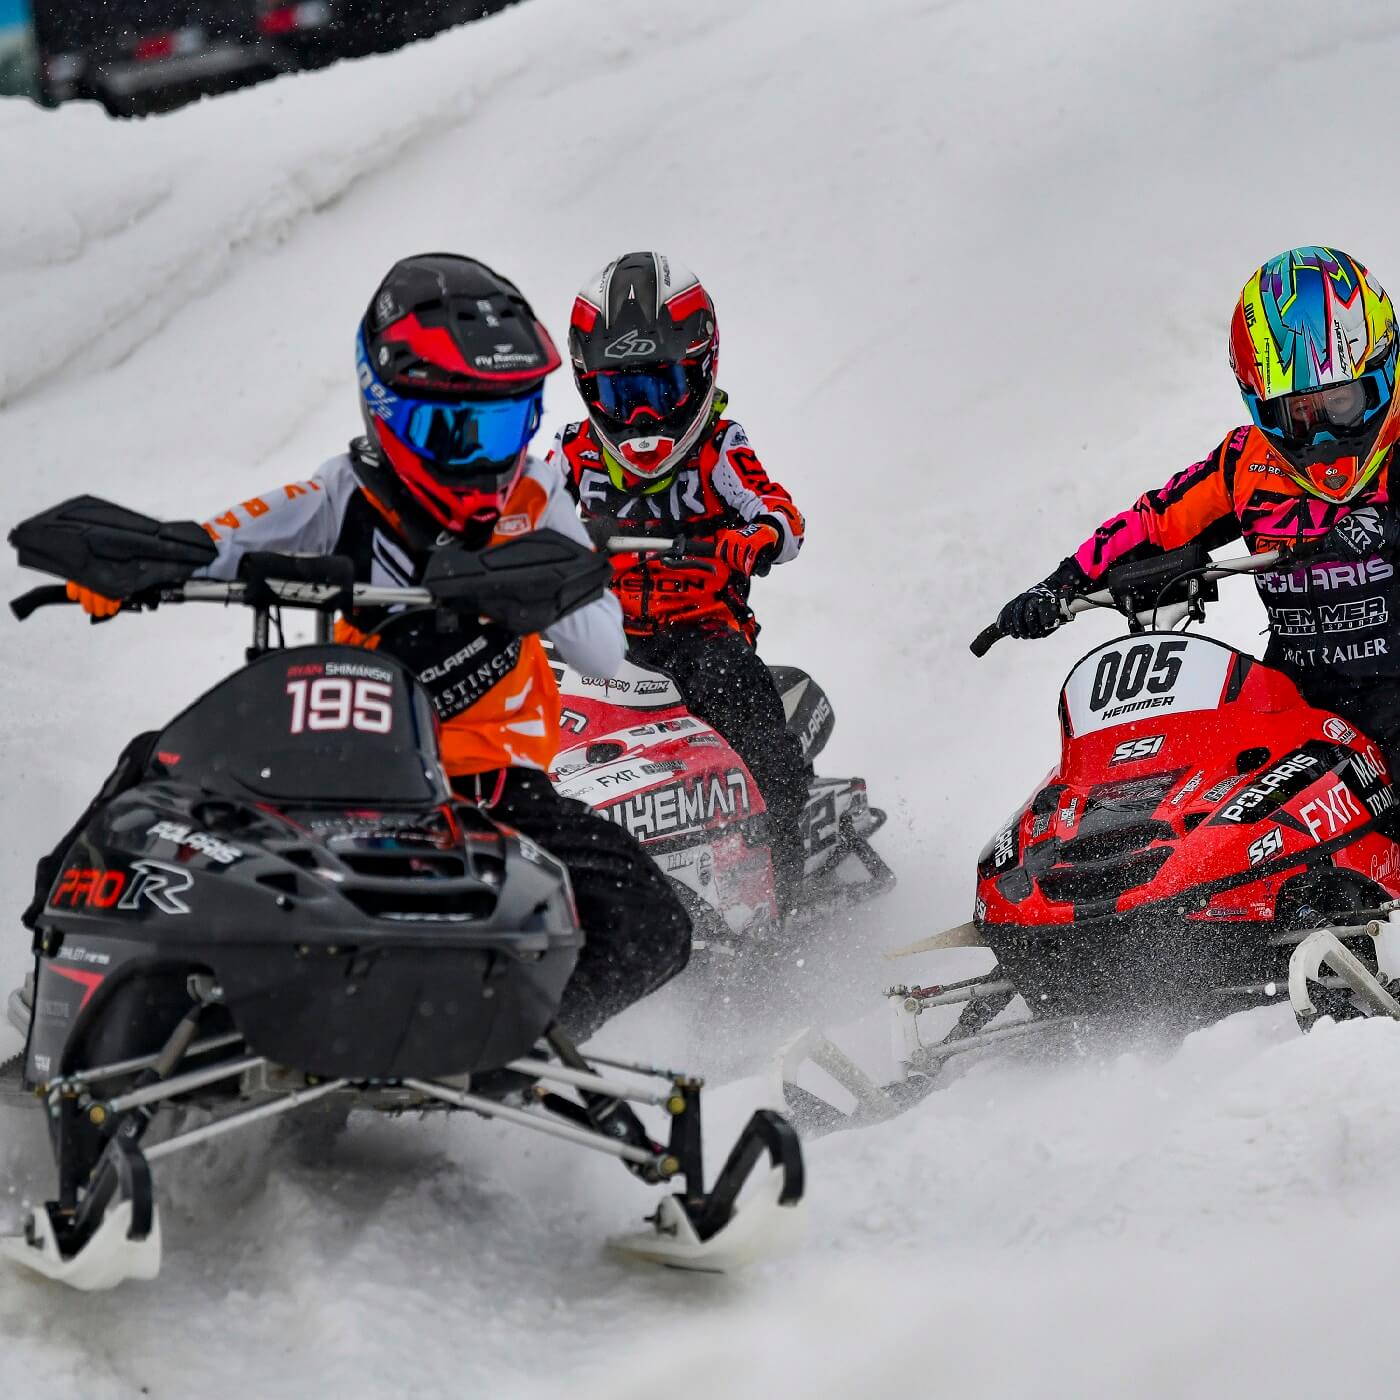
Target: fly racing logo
x,y
626,346
157,884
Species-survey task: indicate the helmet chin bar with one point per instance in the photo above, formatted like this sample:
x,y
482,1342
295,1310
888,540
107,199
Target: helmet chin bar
x,y
1367,456
672,459
456,512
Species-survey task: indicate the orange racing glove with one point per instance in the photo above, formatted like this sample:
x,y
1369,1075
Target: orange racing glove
x,y
94,604
747,550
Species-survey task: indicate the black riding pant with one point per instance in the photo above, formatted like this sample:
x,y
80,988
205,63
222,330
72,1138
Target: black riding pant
x,y
726,685
1372,706
637,929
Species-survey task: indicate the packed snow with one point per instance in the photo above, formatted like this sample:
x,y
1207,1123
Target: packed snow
x,y
974,265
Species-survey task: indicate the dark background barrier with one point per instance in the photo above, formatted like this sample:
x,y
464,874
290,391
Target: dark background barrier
x,y
140,56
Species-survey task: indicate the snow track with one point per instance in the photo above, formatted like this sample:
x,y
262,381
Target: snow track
x,y
973,265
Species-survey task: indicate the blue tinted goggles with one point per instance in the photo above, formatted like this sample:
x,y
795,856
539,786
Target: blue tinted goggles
x,y
624,395
469,438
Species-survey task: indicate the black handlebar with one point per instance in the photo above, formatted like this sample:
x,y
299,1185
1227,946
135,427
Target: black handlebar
x,y
48,595
1149,581
983,642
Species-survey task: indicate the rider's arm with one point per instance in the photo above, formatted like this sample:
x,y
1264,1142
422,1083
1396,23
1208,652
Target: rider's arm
x,y
747,489
590,639
1196,504
303,517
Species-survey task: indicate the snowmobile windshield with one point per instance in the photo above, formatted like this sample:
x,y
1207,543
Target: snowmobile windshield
x,y
312,725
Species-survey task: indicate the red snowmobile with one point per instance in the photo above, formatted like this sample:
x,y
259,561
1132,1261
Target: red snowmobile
x,y
1201,822
634,752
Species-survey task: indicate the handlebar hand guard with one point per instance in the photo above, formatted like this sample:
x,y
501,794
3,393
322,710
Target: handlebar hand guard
x,y
111,550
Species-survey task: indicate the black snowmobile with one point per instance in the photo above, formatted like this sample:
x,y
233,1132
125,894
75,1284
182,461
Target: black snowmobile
x,y
286,904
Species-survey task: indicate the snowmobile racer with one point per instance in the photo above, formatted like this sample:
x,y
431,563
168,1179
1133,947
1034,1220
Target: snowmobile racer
x,y
451,363
287,907
1313,345
657,454
1207,838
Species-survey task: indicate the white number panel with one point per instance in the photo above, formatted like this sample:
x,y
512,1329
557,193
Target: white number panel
x,y
1145,677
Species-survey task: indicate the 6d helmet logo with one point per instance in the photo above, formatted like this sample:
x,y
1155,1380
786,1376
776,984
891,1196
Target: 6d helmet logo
x,y
628,345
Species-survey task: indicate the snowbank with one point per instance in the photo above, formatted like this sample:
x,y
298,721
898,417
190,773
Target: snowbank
x,y
109,228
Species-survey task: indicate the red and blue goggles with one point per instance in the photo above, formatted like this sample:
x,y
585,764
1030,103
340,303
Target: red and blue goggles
x,y
627,396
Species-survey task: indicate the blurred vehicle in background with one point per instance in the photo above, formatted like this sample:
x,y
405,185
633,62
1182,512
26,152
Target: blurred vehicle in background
x,y
135,56
139,56
304,33
375,26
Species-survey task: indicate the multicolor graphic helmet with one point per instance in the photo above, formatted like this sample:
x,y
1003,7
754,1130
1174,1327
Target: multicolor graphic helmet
x,y
451,362
1313,346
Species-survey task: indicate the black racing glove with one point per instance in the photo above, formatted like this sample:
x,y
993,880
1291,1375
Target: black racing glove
x,y
1039,611
1364,533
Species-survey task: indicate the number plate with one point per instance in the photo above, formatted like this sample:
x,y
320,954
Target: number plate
x,y
1145,678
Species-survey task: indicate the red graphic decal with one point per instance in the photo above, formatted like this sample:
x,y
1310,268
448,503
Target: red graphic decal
x,y
88,889
91,980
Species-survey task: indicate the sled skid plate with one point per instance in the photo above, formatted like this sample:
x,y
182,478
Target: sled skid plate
x,y
765,1224
1322,946
111,1256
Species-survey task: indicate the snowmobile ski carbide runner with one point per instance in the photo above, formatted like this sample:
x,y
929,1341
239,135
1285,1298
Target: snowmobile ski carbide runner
x,y
287,905
1203,822
636,755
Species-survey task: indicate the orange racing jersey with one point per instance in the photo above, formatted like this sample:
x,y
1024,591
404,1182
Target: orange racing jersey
x,y
495,696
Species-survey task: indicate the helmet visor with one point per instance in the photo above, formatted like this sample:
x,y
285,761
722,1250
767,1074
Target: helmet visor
x,y
636,396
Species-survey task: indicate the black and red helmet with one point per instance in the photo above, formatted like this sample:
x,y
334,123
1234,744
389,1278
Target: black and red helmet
x,y
451,364
644,342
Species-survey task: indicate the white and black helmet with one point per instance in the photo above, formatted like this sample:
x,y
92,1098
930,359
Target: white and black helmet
x,y
644,343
